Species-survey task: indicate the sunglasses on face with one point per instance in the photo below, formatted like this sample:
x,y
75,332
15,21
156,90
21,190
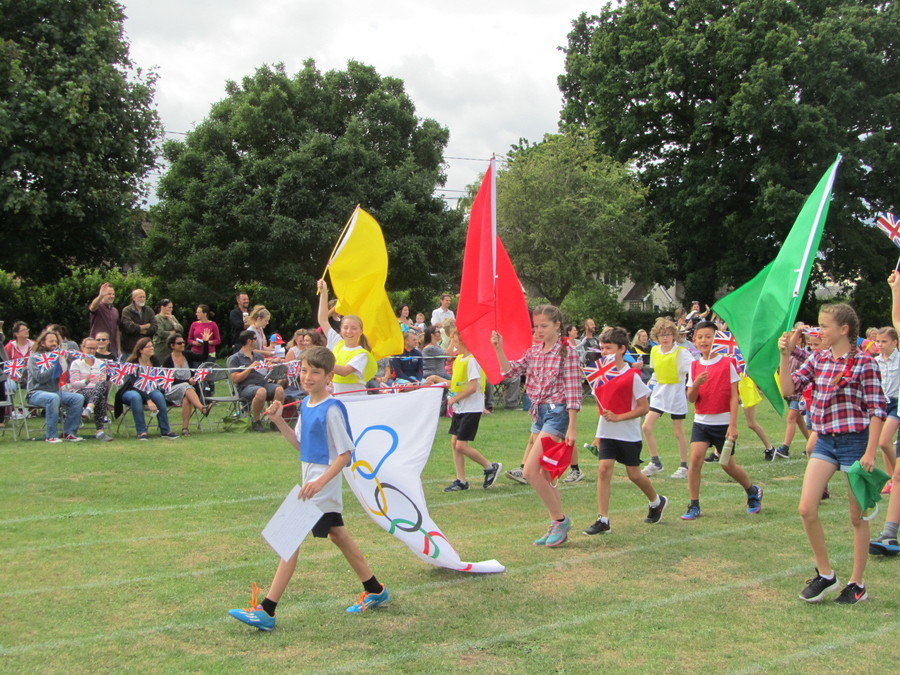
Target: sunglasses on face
x,y
178,343
102,339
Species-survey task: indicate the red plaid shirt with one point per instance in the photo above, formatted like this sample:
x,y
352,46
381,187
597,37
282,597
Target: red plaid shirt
x,y
847,405
548,378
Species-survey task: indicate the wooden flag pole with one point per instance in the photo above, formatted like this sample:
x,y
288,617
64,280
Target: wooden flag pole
x,y
338,243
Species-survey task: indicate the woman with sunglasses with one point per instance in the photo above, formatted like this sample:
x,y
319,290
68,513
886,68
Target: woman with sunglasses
x,y
183,392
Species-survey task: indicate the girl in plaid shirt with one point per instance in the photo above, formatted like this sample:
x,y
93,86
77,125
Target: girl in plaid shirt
x,y
553,383
847,413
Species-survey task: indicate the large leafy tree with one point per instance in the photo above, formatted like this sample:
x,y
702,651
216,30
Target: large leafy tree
x,y
260,190
733,110
78,135
568,215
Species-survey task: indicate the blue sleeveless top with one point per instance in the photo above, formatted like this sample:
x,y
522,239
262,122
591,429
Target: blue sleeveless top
x,y
314,430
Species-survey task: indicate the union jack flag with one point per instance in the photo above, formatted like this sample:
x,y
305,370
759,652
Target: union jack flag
x,y
165,377
45,360
724,343
888,223
114,373
812,331
602,371
201,374
146,380
293,368
14,368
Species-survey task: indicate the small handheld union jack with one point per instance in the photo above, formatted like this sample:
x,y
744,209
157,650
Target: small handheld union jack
x,y
888,223
598,373
724,343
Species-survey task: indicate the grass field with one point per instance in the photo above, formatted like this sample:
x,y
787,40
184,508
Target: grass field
x,y
127,556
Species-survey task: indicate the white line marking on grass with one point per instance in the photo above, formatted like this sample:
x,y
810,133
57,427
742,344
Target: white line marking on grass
x,y
822,648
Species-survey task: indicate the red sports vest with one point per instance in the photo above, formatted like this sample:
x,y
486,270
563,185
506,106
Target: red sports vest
x,y
714,397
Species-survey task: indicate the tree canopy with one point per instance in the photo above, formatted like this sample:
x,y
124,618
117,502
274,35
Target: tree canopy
x,y
259,191
733,110
566,214
78,135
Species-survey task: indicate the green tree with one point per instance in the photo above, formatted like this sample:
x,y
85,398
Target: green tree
x,y
261,189
567,215
733,110
77,135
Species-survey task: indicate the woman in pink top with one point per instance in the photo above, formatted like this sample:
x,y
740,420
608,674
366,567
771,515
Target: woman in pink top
x,y
197,334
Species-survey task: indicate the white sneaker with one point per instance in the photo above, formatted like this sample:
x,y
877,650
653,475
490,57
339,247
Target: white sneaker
x,y
681,472
574,476
517,475
103,436
651,469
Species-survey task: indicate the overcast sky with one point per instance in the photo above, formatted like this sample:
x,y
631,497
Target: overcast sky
x,y
487,70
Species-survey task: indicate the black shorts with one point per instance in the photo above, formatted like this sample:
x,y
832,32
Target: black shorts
x,y
326,522
711,434
248,392
624,452
674,416
465,425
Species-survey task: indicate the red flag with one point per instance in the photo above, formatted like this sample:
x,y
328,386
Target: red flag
x,y
490,296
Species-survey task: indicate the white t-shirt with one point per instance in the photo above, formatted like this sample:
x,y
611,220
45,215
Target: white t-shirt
x,y
358,363
439,315
329,499
719,419
475,401
628,430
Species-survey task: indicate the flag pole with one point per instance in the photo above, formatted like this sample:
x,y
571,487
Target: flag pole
x,y
493,168
826,195
897,266
338,243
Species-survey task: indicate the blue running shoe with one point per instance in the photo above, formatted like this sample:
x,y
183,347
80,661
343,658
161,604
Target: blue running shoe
x,y
693,513
754,503
368,601
559,532
884,546
543,540
254,617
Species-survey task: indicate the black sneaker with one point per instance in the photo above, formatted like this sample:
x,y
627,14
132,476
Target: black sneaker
x,y
769,454
782,451
712,457
456,486
598,528
490,475
826,494
818,586
257,426
654,515
852,594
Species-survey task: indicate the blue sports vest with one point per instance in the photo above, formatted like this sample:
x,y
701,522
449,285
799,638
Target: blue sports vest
x,y
314,430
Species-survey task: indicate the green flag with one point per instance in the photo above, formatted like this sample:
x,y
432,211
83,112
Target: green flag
x,y
762,309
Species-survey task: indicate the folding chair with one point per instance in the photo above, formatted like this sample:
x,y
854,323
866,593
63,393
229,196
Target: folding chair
x,y
24,415
7,402
236,406
149,418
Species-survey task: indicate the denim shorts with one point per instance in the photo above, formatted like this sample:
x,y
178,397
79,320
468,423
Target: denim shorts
x,y
551,418
841,449
892,408
794,405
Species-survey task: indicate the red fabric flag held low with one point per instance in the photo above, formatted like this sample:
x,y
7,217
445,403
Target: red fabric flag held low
x,y
555,456
490,296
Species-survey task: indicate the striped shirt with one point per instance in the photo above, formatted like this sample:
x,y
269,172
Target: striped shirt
x,y
846,393
548,378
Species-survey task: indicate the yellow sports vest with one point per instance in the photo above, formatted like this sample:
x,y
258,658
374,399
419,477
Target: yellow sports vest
x,y
343,355
459,378
665,365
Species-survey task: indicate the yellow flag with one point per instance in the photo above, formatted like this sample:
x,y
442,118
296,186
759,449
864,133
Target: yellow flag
x,y
358,271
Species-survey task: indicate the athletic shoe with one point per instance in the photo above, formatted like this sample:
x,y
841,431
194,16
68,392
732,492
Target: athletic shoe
x,y
818,586
559,532
884,546
518,476
72,438
852,594
693,513
490,475
769,454
53,440
887,488
574,476
254,617
754,502
367,601
680,472
543,540
257,426
651,469
712,457
86,413
103,436
598,527
169,435
456,486
782,451
654,515
143,437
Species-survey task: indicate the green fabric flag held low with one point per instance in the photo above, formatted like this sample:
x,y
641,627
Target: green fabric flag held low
x,y
762,309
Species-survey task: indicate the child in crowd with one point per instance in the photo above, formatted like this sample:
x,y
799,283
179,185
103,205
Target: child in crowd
x,y
671,364
888,360
553,383
623,400
355,364
713,389
323,437
847,413
467,402
795,419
